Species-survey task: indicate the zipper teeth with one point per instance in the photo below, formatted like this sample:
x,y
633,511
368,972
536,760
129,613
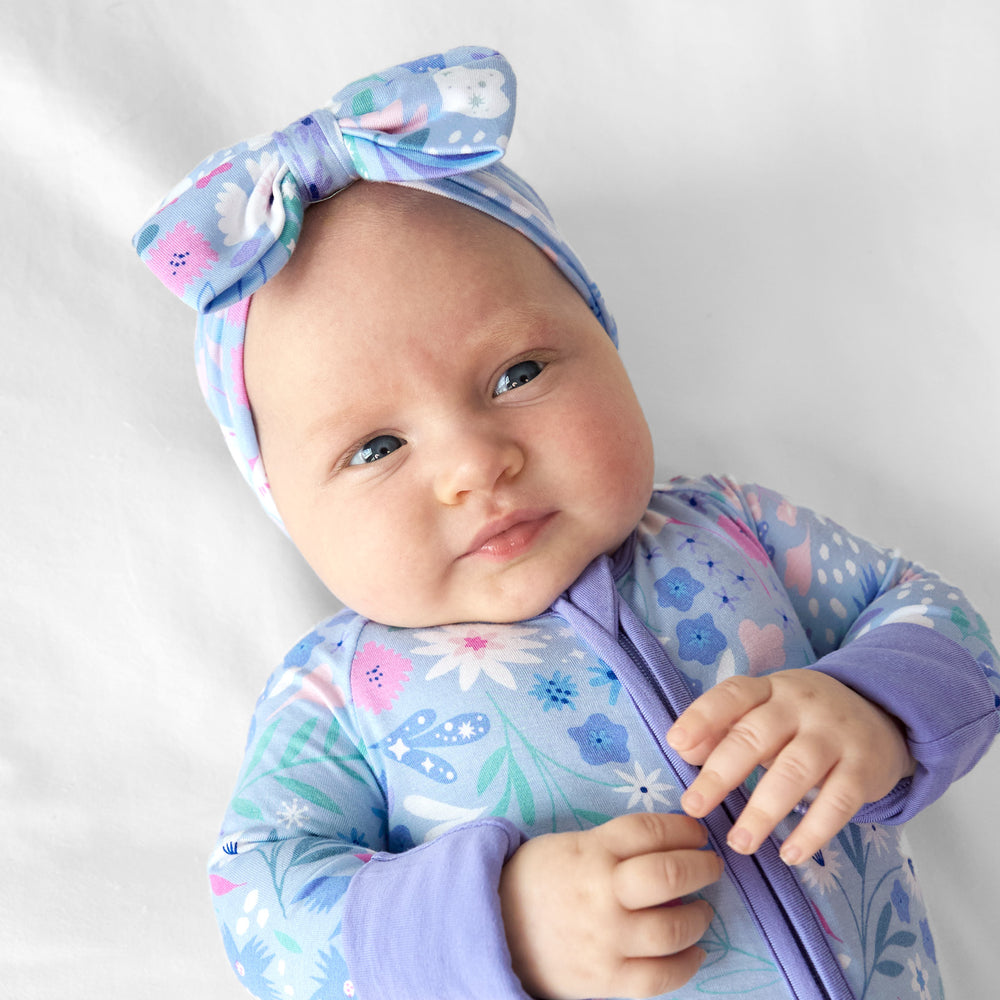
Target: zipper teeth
x,y
729,809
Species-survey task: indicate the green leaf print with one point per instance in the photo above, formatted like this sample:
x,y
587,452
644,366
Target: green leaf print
x,y
591,817
525,800
298,741
262,743
246,808
289,942
331,735
310,794
490,768
889,968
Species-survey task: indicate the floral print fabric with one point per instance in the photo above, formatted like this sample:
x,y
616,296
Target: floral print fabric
x,y
372,741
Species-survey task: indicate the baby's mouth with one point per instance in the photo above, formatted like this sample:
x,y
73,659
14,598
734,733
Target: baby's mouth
x,y
510,536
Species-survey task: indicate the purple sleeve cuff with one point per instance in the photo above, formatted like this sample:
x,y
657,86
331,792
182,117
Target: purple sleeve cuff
x,y
934,687
427,923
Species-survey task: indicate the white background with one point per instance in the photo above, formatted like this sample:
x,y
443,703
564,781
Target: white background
x,y
793,209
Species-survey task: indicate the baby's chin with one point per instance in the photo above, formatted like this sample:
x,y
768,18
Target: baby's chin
x,y
485,608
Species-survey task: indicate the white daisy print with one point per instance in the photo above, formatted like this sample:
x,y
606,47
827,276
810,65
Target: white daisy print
x,y
879,838
643,787
475,649
822,870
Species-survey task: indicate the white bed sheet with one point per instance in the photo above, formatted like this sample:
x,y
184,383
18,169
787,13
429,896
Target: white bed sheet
x,y
793,209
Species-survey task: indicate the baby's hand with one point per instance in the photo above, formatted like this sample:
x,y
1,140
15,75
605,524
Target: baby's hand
x,y
809,731
584,913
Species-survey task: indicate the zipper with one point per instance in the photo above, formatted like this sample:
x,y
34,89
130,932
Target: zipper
x,y
766,885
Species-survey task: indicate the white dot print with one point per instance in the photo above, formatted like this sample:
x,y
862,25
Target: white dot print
x,y
821,575
814,607
824,552
850,567
251,901
838,609
838,576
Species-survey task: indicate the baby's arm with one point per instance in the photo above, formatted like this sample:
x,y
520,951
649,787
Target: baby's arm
x,y
315,895
584,912
902,701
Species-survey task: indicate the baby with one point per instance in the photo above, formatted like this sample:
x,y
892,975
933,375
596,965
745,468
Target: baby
x,y
576,736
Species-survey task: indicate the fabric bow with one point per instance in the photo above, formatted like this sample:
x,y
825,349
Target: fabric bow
x,y
232,223
440,124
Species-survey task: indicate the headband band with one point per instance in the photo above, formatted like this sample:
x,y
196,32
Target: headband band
x,y
440,124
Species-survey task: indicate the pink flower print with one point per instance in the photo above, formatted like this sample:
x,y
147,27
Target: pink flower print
x,y
765,647
744,538
787,513
181,257
798,566
377,676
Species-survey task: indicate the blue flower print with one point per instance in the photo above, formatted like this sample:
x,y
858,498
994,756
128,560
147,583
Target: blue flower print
x,y
901,901
249,963
334,979
556,692
699,639
601,740
603,674
677,589
925,933
298,655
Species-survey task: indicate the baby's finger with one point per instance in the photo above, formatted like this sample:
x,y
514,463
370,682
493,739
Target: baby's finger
x,y
664,930
707,719
651,879
645,833
798,769
832,809
651,977
756,739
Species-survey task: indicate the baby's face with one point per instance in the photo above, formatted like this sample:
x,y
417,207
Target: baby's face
x,y
448,432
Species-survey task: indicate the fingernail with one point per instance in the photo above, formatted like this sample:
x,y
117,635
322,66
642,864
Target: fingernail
x,y
790,854
692,802
677,738
739,839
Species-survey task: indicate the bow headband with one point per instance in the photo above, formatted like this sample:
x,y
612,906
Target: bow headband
x,y
440,124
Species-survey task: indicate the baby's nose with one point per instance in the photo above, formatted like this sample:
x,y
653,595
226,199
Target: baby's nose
x,y
476,461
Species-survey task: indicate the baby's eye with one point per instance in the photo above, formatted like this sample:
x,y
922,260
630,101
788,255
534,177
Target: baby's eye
x,y
378,447
517,375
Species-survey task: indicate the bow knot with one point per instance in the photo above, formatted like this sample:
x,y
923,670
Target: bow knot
x,y
232,224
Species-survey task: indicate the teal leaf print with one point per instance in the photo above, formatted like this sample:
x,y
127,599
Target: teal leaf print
x,y
525,800
889,968
310,794
331,735
289,942
490,769
262,744
298,741
246,808
595,818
